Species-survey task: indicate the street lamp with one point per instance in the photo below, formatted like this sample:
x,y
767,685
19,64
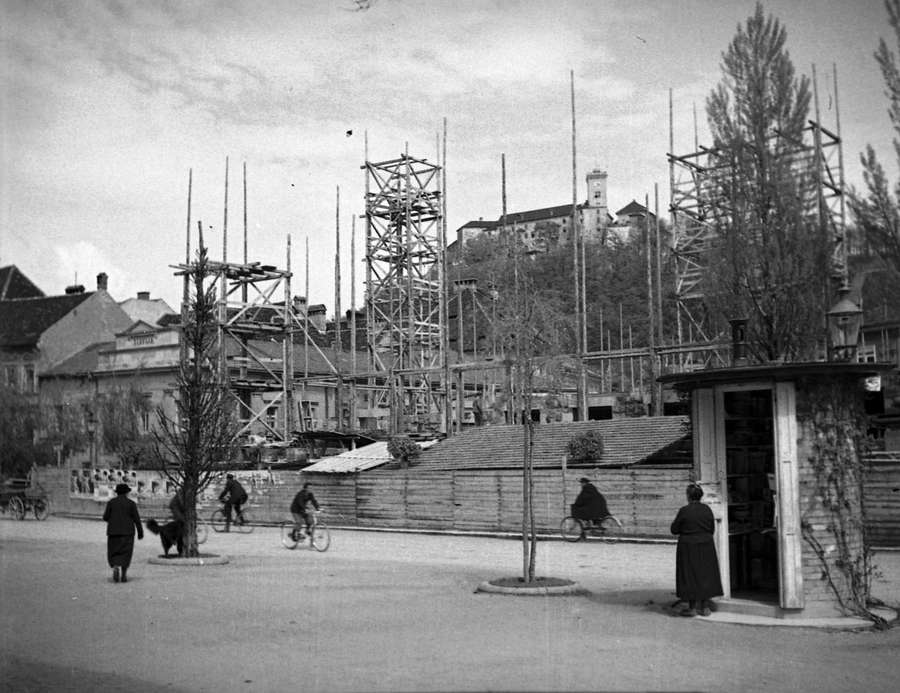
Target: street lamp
x,y
844,323
92,432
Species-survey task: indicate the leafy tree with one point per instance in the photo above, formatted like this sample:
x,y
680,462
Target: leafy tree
x,y
190,446
878,214
771,261
121,412
19,420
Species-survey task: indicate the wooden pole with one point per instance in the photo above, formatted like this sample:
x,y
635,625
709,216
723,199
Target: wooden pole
x,y
650,308
445,296
353,365
338,346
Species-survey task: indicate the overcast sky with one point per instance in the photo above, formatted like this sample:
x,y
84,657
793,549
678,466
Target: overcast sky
x,y
106,106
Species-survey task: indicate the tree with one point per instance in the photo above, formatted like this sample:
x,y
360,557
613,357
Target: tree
x,y
770,262
878,214
190,446
121,412
18,422
532,329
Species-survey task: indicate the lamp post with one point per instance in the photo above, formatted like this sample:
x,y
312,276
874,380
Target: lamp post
x,y
844,323
92,433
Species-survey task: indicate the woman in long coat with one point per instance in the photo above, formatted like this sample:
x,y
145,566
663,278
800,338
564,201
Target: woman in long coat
x,y
697,578
122,520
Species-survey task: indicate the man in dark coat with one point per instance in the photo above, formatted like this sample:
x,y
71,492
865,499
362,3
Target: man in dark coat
x,y
697,578
590,503
233,496
303,498
122,520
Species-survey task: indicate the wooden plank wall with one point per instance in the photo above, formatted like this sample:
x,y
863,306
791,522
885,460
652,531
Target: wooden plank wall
x,y
882,499
644,499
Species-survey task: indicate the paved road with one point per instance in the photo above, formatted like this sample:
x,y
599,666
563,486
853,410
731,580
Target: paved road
x,y
391,612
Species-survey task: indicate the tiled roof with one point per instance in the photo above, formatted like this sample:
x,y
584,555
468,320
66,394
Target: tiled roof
x,y
85,361
14,284
625,442
537,214
633,207
24,320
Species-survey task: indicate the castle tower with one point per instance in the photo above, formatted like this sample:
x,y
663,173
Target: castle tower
x,y
596,212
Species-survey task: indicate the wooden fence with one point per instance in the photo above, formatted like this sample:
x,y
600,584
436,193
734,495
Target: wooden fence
x,y
645,499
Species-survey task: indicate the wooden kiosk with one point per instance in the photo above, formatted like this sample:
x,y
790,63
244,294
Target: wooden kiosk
x,y
777,452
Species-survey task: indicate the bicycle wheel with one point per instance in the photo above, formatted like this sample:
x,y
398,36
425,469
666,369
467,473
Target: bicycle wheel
x,y
217,520
610,525
41,507
244,526
321,538
17,508
572,529
289,536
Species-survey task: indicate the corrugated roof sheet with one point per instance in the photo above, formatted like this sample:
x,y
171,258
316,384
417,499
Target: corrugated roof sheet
x,y
361,459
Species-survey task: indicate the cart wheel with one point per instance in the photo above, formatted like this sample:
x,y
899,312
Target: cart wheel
x,y
17,508
41,508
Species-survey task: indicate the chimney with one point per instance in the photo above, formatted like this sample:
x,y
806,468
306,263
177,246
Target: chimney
x,y
102,281
299,305
143,295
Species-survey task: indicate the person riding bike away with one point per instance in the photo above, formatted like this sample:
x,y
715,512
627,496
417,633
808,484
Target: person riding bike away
x,y
299,508
233,495
590,503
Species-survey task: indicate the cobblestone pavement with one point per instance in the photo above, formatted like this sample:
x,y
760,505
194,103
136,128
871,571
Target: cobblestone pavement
x,y
390,611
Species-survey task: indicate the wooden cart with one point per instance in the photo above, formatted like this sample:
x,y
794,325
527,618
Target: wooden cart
x,y
19,498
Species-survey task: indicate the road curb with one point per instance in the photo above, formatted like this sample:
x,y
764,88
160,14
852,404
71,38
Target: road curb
x,y
546,591
207,559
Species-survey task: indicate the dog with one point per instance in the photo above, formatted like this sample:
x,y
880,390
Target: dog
x,y
169,534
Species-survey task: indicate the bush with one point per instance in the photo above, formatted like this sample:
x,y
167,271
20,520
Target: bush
x,y
402,448
587,447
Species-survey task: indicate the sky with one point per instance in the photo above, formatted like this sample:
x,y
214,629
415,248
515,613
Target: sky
x,y
107,107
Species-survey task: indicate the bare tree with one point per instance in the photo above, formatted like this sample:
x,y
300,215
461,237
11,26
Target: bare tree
x,y
531,329
770,263
190,446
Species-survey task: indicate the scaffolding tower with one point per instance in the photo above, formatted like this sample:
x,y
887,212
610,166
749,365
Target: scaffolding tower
x,y
405,290
696,205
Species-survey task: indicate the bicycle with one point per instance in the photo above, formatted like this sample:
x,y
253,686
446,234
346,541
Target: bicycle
x,y
319,537
574,529
241,523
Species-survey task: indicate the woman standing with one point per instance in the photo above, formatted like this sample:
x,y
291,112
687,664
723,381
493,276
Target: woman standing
x,y
697,578
121,517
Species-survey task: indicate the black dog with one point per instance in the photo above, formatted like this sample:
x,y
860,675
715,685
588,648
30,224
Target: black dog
x,y
169,534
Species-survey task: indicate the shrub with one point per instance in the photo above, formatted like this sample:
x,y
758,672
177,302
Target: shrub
x,y
402,448
586,447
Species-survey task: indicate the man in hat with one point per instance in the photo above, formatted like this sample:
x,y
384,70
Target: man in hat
x,y
122,519
233,496
590,503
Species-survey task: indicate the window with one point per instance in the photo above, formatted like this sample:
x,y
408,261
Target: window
x,y
9,377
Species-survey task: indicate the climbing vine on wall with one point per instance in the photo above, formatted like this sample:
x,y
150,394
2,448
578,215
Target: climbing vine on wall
x,y
838,424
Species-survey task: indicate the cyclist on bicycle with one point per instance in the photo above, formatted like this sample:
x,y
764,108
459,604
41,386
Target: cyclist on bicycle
x,y
299,508
233,495
590,503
